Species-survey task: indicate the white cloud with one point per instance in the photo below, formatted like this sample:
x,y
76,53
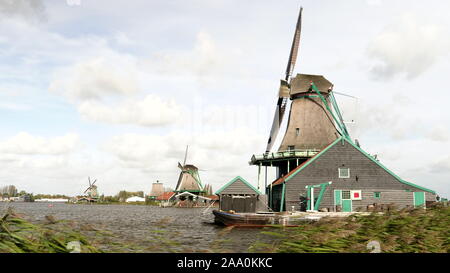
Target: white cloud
x,y
14,106
222,154
109,74
25,9
207,61
150,111
439,133
408,47
25,143
440,166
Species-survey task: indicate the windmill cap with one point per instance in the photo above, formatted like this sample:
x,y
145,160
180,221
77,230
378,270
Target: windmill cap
x,y
188,166
302,84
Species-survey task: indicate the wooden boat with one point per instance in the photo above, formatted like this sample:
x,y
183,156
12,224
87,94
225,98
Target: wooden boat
x,y
249,219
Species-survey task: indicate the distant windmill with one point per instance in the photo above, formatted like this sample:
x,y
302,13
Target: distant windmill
x,y
189,179
91,191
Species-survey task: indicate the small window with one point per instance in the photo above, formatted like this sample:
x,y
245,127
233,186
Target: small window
x,y
346,195
377,194
291,148
344,173
297,131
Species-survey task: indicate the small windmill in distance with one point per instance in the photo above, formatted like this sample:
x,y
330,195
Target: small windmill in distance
x,y
91,193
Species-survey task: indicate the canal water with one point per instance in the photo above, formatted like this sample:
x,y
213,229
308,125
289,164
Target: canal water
x,y
139,228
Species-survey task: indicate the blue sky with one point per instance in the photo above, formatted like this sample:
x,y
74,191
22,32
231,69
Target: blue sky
x,y
115,90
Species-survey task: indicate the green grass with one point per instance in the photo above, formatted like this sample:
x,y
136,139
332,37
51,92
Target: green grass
x,y
413,231
20,236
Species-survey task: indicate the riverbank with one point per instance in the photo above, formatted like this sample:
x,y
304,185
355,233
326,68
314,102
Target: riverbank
x,y
40,228
415,231
150,229
54,236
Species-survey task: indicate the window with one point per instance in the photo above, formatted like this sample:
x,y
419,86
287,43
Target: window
x,y
346,195
344,173
291,148
297,131
377,195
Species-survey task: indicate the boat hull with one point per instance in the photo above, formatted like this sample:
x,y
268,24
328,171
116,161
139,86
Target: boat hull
x,y
246,219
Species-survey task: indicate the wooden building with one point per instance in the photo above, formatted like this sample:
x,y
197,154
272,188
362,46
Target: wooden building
x,y
240,196
357,181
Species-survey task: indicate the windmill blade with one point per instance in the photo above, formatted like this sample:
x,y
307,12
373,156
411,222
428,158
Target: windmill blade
x,y
277,119
185,155
294,48
89,179
94,182
284,86
179,166
343,94
86,190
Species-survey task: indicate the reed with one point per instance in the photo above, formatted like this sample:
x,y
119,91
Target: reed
x,y
404,231
17,235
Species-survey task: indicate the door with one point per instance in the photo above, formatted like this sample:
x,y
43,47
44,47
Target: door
x,y
419,199
346,205
346,201
239,203
337,198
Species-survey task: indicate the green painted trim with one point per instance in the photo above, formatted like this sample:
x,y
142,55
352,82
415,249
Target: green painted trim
x,y
338,122
323,187
338,112
308,196
234,180
338,201
283,192
312,159
377,194
389,171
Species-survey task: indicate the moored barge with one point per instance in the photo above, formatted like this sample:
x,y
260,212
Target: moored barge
x,y
250,219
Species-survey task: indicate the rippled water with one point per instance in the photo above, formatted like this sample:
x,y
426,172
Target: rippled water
x,y
138,228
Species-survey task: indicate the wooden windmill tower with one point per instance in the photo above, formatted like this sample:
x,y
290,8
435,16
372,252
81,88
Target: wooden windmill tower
x,y
314,118
189,179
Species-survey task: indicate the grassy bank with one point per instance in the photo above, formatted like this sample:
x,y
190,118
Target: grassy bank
x,y
20,236
402,231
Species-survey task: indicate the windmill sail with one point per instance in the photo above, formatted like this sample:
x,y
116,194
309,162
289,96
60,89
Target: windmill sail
x,y
284,86
189,179
294,48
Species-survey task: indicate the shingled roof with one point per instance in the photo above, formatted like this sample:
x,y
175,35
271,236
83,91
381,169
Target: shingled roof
x,y
302,83
300,167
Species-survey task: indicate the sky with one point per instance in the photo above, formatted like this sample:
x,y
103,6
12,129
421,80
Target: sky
x,y
115,90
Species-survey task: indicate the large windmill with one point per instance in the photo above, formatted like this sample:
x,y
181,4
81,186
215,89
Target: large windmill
x,y
189,179
314,117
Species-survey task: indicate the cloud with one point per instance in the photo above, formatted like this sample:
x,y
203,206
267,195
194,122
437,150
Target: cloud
x,y
409,47
150,111
25,143
440,166
221,154
206,61
25,9
14,106
106,75
439,133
